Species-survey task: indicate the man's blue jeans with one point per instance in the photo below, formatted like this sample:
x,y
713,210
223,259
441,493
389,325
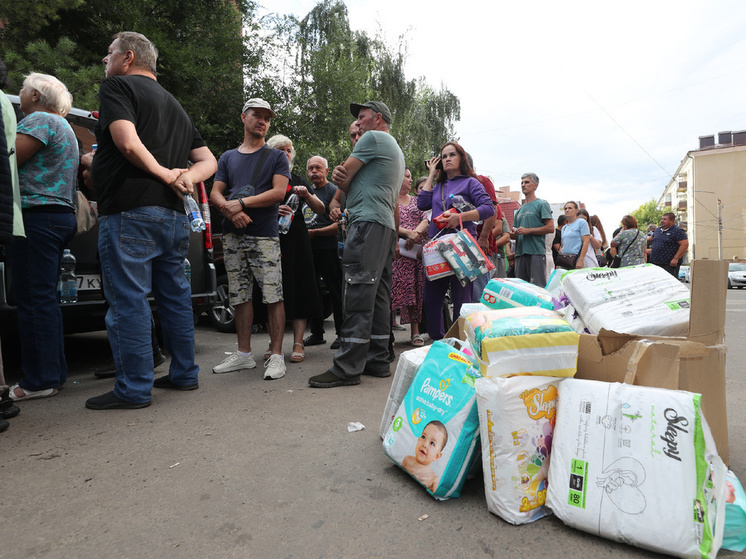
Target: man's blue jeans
x,y
143,251
35,270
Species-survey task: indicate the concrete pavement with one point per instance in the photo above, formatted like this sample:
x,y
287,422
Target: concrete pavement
x,y
244,467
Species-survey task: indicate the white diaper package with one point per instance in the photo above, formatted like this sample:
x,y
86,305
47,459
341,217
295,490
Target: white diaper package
x,y
435,434
406,369
468,308
508,293
644,300
516,422
638,465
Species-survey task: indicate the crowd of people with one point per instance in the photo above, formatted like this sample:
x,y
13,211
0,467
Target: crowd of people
x,y
148,158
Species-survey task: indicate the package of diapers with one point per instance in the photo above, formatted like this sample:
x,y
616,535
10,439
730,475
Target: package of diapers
x,y
524,340
644,300
734,533
508,293
638,465
516,422
435,433
406,369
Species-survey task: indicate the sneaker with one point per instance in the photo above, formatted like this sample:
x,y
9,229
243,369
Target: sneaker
x,y
313,339
109,401
330,380
336,344
235,362
274,367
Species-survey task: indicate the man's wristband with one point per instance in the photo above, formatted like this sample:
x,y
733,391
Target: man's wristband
x,y
243,206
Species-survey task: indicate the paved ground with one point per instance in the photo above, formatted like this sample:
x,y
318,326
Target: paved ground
x,y
244,467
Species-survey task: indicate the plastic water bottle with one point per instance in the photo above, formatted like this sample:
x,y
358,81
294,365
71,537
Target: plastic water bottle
x,y
68,286
458,202
188,270
287,219
341,235
193,214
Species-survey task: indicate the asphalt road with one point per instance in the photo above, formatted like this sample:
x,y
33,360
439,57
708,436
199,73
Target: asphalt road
x,y
244,467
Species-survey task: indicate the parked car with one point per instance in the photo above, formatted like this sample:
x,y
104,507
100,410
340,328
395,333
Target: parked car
x,y
736,275
684,274
88,313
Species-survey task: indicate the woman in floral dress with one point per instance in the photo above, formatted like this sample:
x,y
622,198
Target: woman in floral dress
x,y
409,275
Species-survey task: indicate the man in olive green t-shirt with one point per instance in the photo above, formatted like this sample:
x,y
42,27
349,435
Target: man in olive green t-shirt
x,y
532,223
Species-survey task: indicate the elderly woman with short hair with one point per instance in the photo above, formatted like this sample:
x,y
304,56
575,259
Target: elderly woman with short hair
x,y
47,155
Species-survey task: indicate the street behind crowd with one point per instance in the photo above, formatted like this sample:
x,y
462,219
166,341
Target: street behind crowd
x,y
244,467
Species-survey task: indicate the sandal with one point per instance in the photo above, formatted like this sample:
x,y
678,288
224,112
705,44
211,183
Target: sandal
x,y
30,394
297,356
417,340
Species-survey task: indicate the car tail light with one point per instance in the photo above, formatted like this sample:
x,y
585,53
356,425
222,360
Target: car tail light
x,y
205,207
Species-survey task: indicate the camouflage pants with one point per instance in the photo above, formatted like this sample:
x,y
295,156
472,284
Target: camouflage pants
x,y
247,258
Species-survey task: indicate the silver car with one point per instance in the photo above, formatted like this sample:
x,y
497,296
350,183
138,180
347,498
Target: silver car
x,y
736,275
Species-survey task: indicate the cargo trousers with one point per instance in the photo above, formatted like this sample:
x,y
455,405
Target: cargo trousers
x,y
366,294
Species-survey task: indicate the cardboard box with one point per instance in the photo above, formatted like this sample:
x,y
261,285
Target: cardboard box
x,y
695,363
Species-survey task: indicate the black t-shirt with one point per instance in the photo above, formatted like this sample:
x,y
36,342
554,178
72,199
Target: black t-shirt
x,y
163,127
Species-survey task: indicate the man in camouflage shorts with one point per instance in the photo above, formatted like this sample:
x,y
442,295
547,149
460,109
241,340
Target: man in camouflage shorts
x,y
250,184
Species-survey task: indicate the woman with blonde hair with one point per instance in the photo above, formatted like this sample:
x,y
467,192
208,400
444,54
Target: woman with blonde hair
x,y
47,155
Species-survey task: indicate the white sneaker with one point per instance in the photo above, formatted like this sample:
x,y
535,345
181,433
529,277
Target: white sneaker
x,y
235,362
274,367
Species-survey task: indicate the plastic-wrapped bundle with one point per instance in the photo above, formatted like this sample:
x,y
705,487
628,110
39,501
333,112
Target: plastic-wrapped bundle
x,y
435,434
406,369
644,300
638,465
516,421
524,340
507,293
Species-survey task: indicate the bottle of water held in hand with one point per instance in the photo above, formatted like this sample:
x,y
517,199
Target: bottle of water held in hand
x,y
287,219
68,286
458,202
341,235
193,214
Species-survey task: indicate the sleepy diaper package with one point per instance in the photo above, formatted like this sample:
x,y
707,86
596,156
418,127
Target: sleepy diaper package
x,y
638,465
524,340
516,422
435,433
508,293
644,300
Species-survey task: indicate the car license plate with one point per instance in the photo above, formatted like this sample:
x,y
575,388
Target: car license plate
x,y
89,282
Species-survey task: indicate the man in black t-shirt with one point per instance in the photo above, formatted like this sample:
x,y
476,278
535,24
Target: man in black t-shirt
x,y
145,143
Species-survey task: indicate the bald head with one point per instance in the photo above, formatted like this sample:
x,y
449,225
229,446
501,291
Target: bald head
x,y
317,169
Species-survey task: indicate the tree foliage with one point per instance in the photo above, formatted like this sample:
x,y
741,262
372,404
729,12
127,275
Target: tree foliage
x,y
310,70
649,212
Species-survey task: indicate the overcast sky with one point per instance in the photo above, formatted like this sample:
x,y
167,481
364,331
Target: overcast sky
x,y
602,100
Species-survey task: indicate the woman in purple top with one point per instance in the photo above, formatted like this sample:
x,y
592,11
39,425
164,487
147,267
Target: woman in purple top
x,y
454,176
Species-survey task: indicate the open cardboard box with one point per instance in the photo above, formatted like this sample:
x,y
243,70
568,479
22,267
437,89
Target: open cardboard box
x,y
695,363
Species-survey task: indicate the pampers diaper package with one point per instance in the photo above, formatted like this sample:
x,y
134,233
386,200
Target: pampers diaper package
x,y
435,433
644,300
516,419
523,340
638,465
508,293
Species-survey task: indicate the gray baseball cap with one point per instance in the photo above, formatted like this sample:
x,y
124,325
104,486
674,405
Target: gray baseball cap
x,y
257,103
375,106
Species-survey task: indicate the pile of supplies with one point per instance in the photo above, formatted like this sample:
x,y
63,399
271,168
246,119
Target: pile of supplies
x,y
632,463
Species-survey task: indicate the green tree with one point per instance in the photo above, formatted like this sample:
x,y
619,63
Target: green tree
x,y
202,51
649,212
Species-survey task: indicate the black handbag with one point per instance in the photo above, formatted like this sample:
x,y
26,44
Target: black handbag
x,y
567,261
617,261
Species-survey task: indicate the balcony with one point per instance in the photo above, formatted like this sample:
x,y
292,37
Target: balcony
x,y
682,206
682,187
